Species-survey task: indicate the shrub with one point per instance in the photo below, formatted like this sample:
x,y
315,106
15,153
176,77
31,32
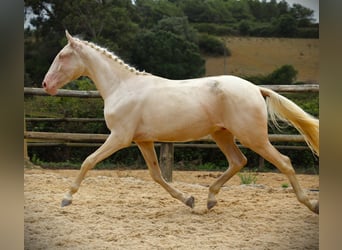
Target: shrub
x,y
244,28
215,29
212,45
247,177
286,74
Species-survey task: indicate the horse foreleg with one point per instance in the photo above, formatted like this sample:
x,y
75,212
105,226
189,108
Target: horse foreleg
x,y
150,156
225,141
111,145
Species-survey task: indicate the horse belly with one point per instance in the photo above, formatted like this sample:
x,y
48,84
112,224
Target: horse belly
x,y
173,127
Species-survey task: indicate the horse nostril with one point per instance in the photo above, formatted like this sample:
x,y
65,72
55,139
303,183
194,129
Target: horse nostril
x,y
44,84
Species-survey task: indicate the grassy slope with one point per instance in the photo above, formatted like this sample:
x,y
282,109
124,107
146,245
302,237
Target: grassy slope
x,y
254,56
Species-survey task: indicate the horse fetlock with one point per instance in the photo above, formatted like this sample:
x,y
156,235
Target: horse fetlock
x,y
213,190
74,188
314,206
211,200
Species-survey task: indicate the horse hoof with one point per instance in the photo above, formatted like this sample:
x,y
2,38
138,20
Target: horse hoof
x,y
316,209
66,202
190,202
211,204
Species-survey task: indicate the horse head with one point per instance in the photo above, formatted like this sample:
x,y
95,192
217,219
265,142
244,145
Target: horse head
x,y
67,66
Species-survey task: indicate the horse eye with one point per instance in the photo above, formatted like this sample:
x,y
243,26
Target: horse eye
x,y
63,55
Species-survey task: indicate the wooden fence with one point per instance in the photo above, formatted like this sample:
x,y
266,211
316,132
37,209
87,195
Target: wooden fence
x,y
32,138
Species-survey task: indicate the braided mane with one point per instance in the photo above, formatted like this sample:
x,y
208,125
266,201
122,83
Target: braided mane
x,y
112,56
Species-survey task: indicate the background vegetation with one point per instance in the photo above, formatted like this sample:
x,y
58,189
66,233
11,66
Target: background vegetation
x,y
124,26
165,37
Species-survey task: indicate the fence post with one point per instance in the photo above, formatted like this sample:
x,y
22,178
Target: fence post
x,y
26,157
166,160
261,163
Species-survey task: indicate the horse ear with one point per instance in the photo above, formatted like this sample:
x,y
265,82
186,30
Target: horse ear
x,y
71,40
68,36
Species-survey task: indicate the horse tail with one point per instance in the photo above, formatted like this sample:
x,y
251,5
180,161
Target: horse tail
x,y
284,109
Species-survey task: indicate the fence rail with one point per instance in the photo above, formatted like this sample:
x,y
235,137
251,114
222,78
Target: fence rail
x,y
95,94
82,139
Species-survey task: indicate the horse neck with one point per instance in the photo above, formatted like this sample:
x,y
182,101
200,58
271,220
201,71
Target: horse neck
x,y
106,70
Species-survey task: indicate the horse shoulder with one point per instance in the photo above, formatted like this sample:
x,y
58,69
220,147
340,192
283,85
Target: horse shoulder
x,y
122,106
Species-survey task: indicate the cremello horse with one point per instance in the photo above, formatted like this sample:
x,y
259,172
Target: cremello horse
x,y
144,108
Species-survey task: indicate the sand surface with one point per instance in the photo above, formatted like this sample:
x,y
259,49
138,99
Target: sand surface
x,y
122,209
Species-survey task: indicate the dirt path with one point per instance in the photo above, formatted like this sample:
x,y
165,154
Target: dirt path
x,y
127,210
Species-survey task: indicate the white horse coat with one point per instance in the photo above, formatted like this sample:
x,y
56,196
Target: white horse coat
x,y
145,108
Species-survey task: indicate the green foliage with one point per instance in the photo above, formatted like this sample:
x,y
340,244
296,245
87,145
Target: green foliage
x,y
285,185
166,54
212,45
262,29
247,177
207,11
113,29
169,49
244,28
150,11
215,29
308,32
178,26
285,74
209,166
302,14
83,83
121,21
286,26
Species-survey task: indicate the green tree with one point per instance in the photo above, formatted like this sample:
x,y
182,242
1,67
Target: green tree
x,y
286,26
151,11
244,28
303,15
112,28
283,7
166,54
179,26
240,10
217,11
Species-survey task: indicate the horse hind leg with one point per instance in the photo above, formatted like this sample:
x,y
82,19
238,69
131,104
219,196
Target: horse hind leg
x,y
283,163
225,141
150,156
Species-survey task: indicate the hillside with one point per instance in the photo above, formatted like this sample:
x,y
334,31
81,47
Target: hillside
x,y
254,56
